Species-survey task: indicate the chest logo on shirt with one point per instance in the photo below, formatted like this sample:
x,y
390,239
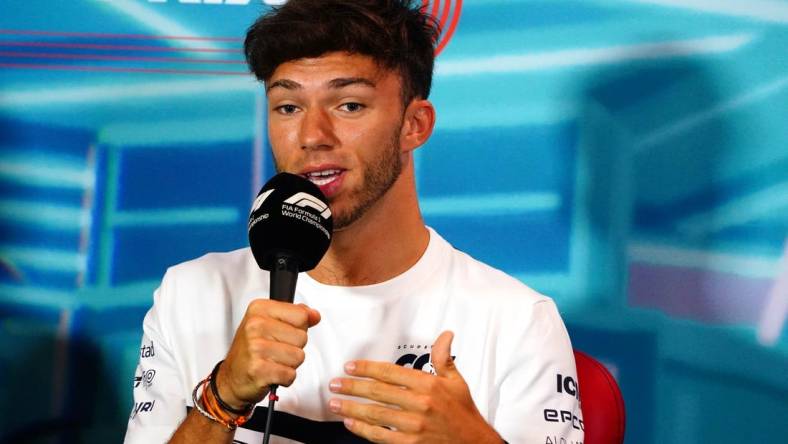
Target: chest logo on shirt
x,y
417,357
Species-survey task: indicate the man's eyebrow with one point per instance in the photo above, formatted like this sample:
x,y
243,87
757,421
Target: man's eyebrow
x,y
347,81
284,83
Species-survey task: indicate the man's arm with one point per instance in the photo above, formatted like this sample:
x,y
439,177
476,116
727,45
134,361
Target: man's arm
x,y
197,428
412,406
531,408
266,350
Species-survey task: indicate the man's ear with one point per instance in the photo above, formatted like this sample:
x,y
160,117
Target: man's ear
x,y
417,124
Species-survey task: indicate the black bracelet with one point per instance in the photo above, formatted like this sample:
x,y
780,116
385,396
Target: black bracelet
x,y
219,400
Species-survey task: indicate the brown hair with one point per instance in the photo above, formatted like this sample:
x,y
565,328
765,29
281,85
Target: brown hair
x,y
397,34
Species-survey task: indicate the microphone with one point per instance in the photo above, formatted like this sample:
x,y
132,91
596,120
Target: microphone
x,y
290,228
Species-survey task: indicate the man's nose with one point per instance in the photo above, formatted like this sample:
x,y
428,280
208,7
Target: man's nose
x,y
317,130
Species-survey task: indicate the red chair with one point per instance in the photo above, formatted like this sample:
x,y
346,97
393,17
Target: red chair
x,y
604,416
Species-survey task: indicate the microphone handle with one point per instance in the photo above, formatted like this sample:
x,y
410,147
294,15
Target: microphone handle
x,y
283,277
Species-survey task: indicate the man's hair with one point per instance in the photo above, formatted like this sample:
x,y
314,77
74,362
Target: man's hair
x,y
397,34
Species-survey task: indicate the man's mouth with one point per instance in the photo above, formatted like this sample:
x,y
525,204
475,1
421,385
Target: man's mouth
x,y
323,177
328,178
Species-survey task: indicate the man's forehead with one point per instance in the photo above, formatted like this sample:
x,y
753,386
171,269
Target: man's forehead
x,y
332,70
335,83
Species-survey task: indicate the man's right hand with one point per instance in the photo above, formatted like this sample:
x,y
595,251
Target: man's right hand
x,y
267,349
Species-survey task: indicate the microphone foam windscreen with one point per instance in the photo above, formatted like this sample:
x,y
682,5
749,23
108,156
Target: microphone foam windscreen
x,y
290,216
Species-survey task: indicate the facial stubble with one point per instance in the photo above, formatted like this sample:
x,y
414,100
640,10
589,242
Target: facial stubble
x,y
378,177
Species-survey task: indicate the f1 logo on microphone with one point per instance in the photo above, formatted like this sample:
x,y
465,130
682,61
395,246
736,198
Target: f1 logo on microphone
x,y
304,200
260,199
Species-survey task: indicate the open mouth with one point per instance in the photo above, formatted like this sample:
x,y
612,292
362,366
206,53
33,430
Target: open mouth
x,y
323,177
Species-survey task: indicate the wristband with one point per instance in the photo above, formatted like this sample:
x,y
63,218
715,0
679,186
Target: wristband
x,y
208,407
215,391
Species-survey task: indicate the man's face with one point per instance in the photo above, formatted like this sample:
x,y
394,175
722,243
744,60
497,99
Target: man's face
x,y
336,120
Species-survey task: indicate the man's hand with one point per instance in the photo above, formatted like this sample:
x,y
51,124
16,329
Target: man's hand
x,y
411,406
267,349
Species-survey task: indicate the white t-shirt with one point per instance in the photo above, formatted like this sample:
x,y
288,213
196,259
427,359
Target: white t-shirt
x,y
510,345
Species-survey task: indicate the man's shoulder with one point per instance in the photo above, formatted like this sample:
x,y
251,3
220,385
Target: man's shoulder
x,y
228,271
212,282
215,263
477,277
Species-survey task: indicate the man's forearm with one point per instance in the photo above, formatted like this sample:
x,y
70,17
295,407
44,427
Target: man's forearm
x,y
196,428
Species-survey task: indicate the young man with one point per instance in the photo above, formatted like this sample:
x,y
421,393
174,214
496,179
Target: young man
x,y
395,337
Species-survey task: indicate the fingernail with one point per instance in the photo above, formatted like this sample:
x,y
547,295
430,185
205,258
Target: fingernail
x,y
334,405
335,385
348,422
350,367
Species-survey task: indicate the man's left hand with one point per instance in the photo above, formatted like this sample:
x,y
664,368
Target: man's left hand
x,y
411,406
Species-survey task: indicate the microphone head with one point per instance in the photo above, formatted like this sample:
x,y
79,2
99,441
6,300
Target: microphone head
x,y
290,217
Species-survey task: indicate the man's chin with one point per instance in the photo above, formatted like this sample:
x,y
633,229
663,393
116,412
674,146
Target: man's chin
x,y
344,220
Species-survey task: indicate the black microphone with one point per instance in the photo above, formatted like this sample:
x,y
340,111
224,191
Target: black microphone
x,y
290,228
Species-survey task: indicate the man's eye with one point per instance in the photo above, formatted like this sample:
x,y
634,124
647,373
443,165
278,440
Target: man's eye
x,y
352,107
287,109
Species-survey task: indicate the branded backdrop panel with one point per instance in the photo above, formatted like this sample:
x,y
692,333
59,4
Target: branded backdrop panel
x,y
627,158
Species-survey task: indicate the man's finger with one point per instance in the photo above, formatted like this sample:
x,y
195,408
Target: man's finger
x,y
313,316
378,391
371,432
390,373
299,316
442,361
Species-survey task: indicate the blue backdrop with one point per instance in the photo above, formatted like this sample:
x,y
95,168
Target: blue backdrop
x,y
627,158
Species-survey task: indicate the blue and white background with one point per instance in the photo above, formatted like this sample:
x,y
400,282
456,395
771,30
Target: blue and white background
x,y
628,158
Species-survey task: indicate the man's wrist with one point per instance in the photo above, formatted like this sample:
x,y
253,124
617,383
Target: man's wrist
x,y
224,395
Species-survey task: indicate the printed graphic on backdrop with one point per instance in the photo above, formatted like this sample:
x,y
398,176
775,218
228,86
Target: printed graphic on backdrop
x,y
447,13
626,158
72,49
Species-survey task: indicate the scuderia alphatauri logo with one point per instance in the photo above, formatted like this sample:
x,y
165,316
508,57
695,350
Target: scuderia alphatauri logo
x,y
417,357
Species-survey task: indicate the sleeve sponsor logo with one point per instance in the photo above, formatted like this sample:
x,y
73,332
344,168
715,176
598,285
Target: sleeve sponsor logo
x,y
147,351
565,416
146,379
560,440
566,384
142,407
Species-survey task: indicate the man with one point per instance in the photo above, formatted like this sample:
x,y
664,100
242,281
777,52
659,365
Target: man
x,y
395,336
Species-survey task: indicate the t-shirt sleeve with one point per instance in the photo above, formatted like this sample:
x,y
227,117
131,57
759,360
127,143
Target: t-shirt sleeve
x,y
159,404
539,397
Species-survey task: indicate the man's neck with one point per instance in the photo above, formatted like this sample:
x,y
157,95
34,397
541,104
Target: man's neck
x,y
385,242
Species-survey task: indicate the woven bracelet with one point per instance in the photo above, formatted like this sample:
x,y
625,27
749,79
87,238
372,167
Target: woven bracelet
x,y
201,410
215,391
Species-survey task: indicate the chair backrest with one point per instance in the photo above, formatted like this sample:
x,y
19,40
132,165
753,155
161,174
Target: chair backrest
x,y
604,417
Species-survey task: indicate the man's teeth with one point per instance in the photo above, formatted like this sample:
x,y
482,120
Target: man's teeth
x,y
320,178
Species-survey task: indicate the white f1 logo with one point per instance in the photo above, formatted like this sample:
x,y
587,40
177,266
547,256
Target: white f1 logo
x,y
307,200
260,199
